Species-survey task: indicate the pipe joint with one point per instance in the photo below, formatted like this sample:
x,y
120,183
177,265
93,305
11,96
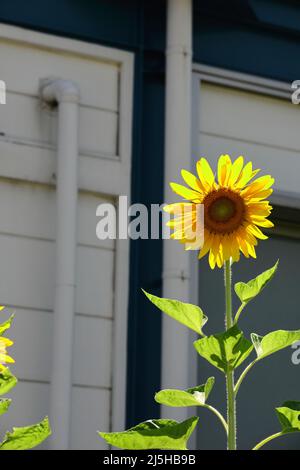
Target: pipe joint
x,y
56,90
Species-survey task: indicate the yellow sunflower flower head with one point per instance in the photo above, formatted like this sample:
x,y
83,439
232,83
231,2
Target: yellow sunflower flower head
x,y
234,205
4,358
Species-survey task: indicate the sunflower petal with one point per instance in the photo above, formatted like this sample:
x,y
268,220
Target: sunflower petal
x,y
251,250
262,183
224,170
262,195
256,232
192,181
186,193
178,207
5,359
6,342
212,260
236,169
263,222
205,174
245,176
204,250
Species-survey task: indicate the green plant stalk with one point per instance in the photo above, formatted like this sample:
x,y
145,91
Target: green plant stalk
x,y
231,412
218,414
238,313
242,376
268,439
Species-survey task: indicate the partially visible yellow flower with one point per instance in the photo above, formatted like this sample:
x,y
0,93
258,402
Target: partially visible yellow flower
x,y
4,358
234,209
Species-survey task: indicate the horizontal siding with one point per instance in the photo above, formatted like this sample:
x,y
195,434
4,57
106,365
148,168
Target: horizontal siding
x,y
92,348
30,404
27,162
98,80
29,210
89,412
284,165
263,129
28,133
37,126
29,264
250,117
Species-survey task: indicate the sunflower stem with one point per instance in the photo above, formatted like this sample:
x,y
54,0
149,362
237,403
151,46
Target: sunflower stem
x,y
268,439
238,313
231,412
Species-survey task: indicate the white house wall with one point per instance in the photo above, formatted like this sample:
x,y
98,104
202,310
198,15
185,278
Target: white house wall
x,y
27,223
262,128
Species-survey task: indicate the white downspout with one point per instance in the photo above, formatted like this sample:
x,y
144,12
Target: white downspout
x,y
65,94
176,268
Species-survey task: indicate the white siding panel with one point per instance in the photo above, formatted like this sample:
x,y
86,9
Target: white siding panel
x,y
29,210
32,335
32,353
263,129
31,122
90,413
25,162
98,80
29,265
30,405
98,131
33,163
95,268
34,124
87,221
249,117
27,277
92,352
271,159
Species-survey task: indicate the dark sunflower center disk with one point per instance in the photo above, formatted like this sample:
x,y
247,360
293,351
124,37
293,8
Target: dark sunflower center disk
x,y
222,209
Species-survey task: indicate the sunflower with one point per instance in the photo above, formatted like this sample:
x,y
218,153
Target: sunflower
x,y
4,358
234,208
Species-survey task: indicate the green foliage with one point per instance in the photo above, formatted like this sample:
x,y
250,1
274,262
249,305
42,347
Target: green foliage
x,y
7,381
289,416
153,434
26,437
273,342
6,325
247,291
4,405
187,314
226,350
195,396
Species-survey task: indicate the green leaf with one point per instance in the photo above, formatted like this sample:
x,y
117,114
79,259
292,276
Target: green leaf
x,y
26,437
289,416
7,381
4,405
188,314
273,342
153,434
247,291
226,351
6,325
195,396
